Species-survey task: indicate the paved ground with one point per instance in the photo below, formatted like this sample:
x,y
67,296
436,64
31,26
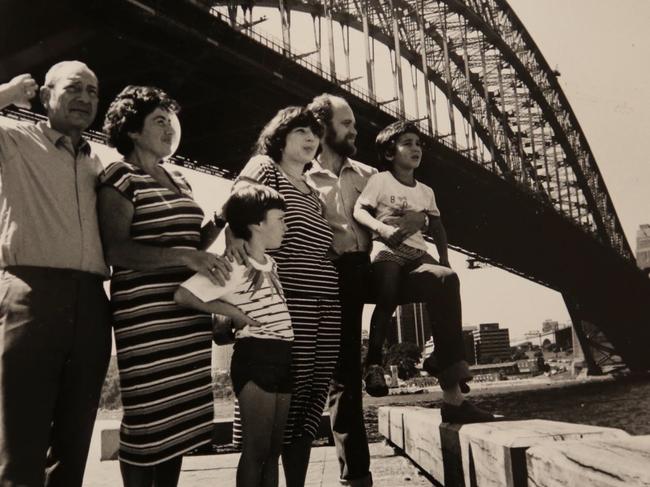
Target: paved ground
x,y
389,470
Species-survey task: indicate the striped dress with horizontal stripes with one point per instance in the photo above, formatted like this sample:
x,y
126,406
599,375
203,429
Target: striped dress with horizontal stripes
x,y
310,283
163,350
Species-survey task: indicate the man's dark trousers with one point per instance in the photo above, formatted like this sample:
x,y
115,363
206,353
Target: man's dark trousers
x,y
345,404
429,283
55,345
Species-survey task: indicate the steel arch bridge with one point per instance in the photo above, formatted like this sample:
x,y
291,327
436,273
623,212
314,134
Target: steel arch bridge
x,y
518,122
512,167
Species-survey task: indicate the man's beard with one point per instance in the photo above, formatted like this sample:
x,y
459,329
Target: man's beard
x,y
343,147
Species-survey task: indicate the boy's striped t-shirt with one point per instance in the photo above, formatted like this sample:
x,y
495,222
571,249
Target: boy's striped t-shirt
x,y
265,303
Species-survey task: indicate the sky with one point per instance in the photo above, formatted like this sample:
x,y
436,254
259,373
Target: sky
x,y
601,48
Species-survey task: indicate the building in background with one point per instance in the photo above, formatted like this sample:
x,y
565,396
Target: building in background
x,y
491,343
410,325
564,338
468,342
643,248
494,372
549,326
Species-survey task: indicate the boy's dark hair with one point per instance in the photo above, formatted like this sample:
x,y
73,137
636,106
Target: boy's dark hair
x,y
248,205
387,139
273,137
128,111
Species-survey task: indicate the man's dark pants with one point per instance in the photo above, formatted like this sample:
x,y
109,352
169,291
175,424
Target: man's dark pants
x,y
55,346
345,405
440,291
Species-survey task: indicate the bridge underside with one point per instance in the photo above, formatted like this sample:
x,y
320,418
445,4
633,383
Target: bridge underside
x,y
229,86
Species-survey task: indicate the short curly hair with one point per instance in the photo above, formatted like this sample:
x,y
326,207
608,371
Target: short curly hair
x,y
323,107
127,113
387,139
273,137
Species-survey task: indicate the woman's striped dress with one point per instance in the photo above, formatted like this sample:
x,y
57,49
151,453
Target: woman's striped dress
x,y
163,350
310,283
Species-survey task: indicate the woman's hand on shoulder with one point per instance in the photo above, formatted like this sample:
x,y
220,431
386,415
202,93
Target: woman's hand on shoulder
x,y
214,267
236,248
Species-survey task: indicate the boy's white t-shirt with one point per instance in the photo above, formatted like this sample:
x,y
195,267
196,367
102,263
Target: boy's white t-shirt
x,y
388,197
266,305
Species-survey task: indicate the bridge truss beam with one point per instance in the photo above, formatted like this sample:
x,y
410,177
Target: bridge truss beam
x,y
481,58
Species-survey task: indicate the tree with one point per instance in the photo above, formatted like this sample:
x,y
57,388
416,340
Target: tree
x,y
222,386
110,397
405,356
518,354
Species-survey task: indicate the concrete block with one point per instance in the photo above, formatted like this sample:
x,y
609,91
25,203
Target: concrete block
x,y
620,462
432,445
391,425
494,454
110,444
396,422
422,442
383,423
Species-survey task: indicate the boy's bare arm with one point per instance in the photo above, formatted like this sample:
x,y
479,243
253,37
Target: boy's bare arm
x,y
393,235
218,307
410,222
439,235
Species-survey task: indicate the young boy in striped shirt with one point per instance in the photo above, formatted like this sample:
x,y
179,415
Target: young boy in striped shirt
x,y
253,298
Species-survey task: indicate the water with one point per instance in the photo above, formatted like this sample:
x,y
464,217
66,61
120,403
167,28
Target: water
x,y
623,404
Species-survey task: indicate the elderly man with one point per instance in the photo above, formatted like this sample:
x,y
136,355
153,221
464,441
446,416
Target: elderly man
x,y
340,180
54,317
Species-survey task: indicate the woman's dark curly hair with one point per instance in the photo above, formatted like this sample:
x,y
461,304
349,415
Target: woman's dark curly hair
x,y
128,111
273,137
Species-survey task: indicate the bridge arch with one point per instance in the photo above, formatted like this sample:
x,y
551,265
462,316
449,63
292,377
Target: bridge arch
x,y
229,81
480,56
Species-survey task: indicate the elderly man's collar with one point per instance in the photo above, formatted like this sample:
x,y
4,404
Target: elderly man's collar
x,y
58,139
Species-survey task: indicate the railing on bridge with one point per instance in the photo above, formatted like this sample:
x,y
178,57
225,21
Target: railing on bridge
x,y
21,114
447,140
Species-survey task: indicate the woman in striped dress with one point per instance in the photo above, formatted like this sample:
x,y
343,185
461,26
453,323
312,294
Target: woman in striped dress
x,y
310,281
151,230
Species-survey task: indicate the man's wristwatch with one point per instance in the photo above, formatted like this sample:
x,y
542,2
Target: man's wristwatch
x,y
426,221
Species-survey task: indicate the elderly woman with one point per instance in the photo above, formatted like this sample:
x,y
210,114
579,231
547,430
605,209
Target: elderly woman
x,y
310,281
152,236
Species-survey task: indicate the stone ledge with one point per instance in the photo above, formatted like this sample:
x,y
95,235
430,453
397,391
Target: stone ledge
x,y
488,454
613,463
495,453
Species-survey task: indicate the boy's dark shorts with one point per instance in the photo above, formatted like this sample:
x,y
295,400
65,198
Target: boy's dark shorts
x,y
266,362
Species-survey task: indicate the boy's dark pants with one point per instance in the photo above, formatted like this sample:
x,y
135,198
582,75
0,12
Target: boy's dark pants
x,y
426,284
55,345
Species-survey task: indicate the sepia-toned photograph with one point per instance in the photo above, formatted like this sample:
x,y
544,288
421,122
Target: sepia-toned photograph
x,y
322,243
